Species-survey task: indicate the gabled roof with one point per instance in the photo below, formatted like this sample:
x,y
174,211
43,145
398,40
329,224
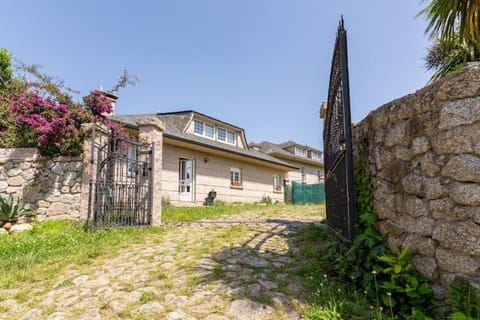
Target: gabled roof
x,y
291,143
176,123
278,150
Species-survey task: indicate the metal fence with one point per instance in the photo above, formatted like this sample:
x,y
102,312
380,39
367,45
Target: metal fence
x,y
308,193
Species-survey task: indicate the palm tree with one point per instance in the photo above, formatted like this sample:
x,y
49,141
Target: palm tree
x,y
455,26
451,18
449,55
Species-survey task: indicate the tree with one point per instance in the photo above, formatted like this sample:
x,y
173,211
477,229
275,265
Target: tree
x,y
455,26
5,67
450,19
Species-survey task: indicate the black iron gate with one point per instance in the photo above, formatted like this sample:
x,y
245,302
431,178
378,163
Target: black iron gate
x,y
121,191
337,137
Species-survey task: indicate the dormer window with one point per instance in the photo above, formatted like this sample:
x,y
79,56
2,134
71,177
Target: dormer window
x,y
210,131
199,127
230,137
221,135
316,155
300,152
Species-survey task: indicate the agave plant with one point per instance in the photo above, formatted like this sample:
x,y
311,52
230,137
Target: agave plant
x,y
10,211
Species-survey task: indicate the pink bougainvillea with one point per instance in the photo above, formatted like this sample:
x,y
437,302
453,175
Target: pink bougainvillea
x,y
54,127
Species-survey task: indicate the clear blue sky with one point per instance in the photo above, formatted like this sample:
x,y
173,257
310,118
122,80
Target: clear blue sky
x,y
260,64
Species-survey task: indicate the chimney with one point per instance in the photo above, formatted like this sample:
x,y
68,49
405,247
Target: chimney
x,y
323,110
112,97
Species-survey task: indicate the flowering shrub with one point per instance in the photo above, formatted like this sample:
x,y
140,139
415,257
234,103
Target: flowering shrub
x,y
37,110
53,127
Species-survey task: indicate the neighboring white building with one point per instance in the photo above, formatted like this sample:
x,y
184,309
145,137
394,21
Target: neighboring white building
x,y
308,160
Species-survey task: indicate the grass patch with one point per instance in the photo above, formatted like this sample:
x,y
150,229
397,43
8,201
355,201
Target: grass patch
x,y
329,297
177,214
283,211
148,296
41,253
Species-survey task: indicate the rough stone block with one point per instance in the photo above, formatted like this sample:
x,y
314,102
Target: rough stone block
x,y
420,145
426,266
463,237
422,245
467,194
434,188
415,206
421,225
14,172
459,112
383,205
414,184
3,186
389,227
463,167
399,134
456,141
16,181
453,262
429,166
58,208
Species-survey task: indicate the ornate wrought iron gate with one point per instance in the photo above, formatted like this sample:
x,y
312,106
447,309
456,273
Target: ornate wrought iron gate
x,y
337,137
121,192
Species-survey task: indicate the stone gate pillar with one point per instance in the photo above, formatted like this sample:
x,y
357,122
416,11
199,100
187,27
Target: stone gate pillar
x,y
151,132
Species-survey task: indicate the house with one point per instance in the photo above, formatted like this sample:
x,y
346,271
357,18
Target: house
x,y
308,160
201,154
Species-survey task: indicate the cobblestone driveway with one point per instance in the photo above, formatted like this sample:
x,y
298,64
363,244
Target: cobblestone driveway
x,y
240,268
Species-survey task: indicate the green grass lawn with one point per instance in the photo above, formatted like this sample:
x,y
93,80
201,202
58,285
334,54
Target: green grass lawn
x,y
178,214
52,245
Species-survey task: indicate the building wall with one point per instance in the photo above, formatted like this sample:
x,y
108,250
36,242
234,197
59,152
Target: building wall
x,y
215,174
49,186
424,157
311,173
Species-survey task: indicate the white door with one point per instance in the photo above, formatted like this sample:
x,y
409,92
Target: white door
x,y
186,179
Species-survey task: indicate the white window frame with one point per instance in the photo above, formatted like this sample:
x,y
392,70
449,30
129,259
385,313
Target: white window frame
x,y
316,155
276,183
234,142
236,181
224,134
195,127
228,134
205,125
300,152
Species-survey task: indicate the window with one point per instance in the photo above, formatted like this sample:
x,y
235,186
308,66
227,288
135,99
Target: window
x,y
276,184
209,131
132,160
316,155
319,175
299,152
221,134
235,177
198,127
230,137
304,174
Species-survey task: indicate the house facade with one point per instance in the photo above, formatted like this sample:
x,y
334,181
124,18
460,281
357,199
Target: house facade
x,y
308,160
201,154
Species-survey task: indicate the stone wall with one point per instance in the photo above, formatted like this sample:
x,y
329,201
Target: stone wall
x,y
424,156
51,187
